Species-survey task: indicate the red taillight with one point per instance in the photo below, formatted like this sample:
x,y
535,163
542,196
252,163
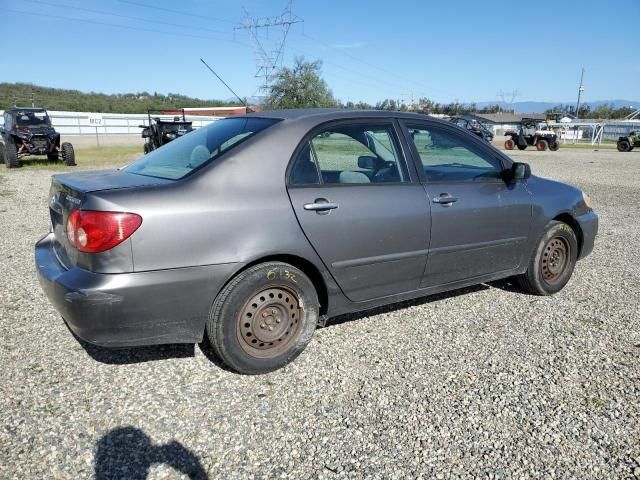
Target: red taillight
x,y
93,232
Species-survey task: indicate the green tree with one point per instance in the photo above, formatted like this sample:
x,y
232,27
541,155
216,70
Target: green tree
x,y
300,87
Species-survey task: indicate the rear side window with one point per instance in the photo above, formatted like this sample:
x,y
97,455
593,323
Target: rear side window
x,y
447,157
200,147
350,154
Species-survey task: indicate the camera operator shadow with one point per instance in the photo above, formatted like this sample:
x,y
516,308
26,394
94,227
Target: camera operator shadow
x,y
127,452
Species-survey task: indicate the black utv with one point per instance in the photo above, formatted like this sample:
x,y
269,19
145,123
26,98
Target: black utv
x,y
530,135
28,131
160,132
474,126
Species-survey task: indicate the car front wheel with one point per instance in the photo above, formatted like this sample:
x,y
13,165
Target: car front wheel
x,y
263,318
552,262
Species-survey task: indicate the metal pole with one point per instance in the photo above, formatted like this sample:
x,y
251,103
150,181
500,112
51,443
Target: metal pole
x,y
580,90
97,139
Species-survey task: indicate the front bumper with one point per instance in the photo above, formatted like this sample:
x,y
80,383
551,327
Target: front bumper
x,y
130,309
589,226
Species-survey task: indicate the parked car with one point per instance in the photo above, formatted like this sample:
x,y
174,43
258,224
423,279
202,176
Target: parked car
x,y
250,231
27,131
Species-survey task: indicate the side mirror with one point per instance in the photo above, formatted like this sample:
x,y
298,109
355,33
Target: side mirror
x,y
367,162
520,171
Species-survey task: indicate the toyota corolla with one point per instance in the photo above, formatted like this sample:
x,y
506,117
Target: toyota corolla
x,y
250,231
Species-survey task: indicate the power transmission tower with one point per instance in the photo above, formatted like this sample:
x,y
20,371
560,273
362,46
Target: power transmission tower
x,y
510,95
269,50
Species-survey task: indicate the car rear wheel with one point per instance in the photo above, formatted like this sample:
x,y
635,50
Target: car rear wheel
x,y
554,146
542,145
509,144
263,318
552,262
146,148
10,154
68,154
624,146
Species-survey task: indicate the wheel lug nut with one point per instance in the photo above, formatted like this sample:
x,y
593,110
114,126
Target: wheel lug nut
x,y
262,325
264,314
270,327
278,320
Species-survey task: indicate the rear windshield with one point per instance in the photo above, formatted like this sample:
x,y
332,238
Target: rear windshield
x,y
179,158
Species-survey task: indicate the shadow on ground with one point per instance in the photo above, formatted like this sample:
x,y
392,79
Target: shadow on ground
x,y
123,356
127,452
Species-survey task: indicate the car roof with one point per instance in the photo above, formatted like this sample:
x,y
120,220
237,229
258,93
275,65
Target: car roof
x,y
25,109
320,115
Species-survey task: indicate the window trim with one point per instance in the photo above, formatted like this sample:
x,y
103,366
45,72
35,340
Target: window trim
x,y
475,144
404,155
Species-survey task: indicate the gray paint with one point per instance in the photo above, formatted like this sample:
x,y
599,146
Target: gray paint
x,y
384,243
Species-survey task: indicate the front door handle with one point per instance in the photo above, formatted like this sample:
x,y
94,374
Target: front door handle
x,y
444,199
320,205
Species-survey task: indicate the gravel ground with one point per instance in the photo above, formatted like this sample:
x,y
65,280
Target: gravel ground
x,y
484,382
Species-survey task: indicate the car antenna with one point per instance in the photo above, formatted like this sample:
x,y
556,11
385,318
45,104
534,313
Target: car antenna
x,y
246,107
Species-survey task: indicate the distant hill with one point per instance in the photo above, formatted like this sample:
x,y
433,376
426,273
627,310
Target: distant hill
x,y
76,101
541,107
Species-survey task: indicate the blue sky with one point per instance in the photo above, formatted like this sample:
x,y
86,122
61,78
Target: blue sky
x,y
445,50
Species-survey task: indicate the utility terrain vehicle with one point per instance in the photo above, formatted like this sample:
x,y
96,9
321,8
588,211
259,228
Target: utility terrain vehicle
x,y
628,143
160,132
529,134
474,126
28,131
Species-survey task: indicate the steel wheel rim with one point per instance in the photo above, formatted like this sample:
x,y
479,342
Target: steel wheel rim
x,y
555,259
269,322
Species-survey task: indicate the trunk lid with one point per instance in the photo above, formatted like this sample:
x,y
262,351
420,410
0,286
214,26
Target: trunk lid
x,y
69,192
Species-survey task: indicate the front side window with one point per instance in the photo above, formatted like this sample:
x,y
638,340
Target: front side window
x,y
179,158
447,157
350,154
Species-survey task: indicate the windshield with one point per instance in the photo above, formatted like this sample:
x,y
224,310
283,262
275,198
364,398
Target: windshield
x,y
31,119
179,158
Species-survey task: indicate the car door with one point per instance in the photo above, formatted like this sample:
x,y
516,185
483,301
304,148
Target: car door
x,y
479,222
362,209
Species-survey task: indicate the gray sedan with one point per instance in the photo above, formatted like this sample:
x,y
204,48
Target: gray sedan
x,y
250,231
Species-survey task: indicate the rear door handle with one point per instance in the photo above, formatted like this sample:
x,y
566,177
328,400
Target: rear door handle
x,y
444,199
320,205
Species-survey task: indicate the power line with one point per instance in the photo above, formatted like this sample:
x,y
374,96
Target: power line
x,y
177,12
95,22
371,65
102,12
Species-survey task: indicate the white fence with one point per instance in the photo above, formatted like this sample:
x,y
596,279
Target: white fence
x,y
87,123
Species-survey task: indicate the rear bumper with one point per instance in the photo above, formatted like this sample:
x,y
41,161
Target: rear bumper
x,y
589,226
129,309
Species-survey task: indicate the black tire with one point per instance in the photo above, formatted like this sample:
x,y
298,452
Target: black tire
x,y
10,154
624,146
554,146
146,148
263,318
68,154
552,262
522,147
542,145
